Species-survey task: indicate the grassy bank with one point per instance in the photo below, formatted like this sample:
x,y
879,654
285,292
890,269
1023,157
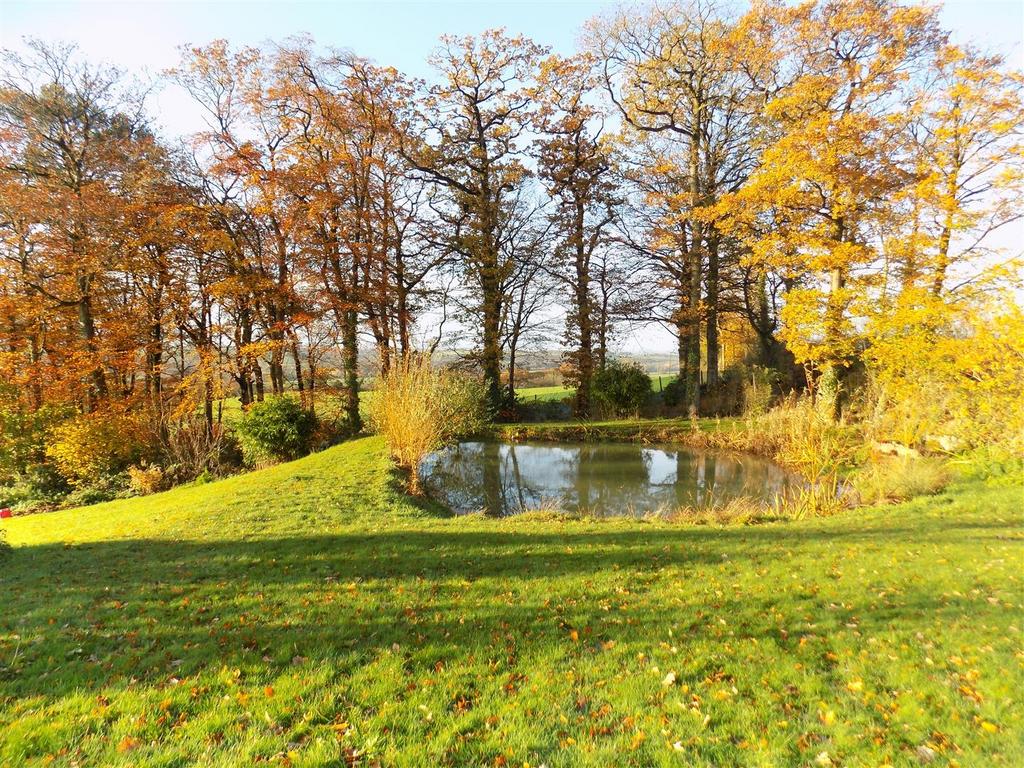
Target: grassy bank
x,y
639,430
310,614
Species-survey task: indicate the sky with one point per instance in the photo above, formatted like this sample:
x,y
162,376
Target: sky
x,y
143,38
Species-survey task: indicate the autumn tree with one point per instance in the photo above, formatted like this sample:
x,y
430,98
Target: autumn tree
x,y
575,167
473,122
69,131
968,129
832,160
361,210
686,111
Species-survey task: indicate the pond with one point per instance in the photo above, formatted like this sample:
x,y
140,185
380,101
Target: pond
x,y
605,479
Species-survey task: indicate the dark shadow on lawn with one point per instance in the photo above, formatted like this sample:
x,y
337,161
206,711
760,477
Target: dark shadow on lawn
x,y
154,609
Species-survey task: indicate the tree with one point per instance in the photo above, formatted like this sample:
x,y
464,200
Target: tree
x,y
967,132
575,168
686,110
472,121
69,132
831,161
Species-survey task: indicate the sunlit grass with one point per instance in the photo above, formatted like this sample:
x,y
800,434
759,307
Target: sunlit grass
x,y
309,614
544,394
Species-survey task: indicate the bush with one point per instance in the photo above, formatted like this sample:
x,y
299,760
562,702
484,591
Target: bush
x,y
145,480
190,449
96,444
673,393
948,374
621,388
23,434
277,429
40,485
544,410
418,409
98,490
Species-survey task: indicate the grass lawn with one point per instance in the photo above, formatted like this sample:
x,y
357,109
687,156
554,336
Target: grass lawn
x,y
544,394
540,394
311,615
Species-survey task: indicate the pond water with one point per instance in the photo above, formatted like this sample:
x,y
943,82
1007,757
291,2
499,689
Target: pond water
x,y
605,479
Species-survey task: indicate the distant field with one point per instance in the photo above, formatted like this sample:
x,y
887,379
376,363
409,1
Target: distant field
x,y
330,402
544,394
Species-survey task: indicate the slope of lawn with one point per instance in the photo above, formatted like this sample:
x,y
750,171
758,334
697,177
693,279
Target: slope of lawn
x,y
311,615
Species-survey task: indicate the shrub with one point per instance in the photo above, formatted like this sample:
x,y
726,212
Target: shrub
x,y
277,429
544,410
725,398
145,480
23,434
418,409
621,388
96,444
948,374
191,448
98,490
41,485
673,393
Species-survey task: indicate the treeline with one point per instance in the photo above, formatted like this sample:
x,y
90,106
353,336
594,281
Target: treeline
x,y
827,174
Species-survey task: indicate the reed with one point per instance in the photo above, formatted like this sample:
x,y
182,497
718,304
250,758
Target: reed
x,y
418,408
898,478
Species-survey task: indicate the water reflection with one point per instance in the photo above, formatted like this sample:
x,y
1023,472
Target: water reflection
x,y
599,478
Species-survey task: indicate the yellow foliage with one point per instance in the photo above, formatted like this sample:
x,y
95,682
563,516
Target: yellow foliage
x,y
96,444
418,408
948,375
146,480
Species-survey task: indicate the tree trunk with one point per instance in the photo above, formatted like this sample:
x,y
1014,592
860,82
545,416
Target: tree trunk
x,y
831,384
97,389
257,371
491,353
297,362
585,353
350,368
711,320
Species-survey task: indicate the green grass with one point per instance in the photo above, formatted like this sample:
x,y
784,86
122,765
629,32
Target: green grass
x,y
312,615
544,394
638,429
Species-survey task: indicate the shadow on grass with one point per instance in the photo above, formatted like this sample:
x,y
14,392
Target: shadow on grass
x,y
91,615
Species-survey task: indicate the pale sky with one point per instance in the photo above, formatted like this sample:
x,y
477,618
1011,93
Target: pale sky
x,y
143,37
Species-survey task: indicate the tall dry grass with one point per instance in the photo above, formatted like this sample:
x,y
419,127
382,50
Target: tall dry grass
x,y
418,408
793,433
886,479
